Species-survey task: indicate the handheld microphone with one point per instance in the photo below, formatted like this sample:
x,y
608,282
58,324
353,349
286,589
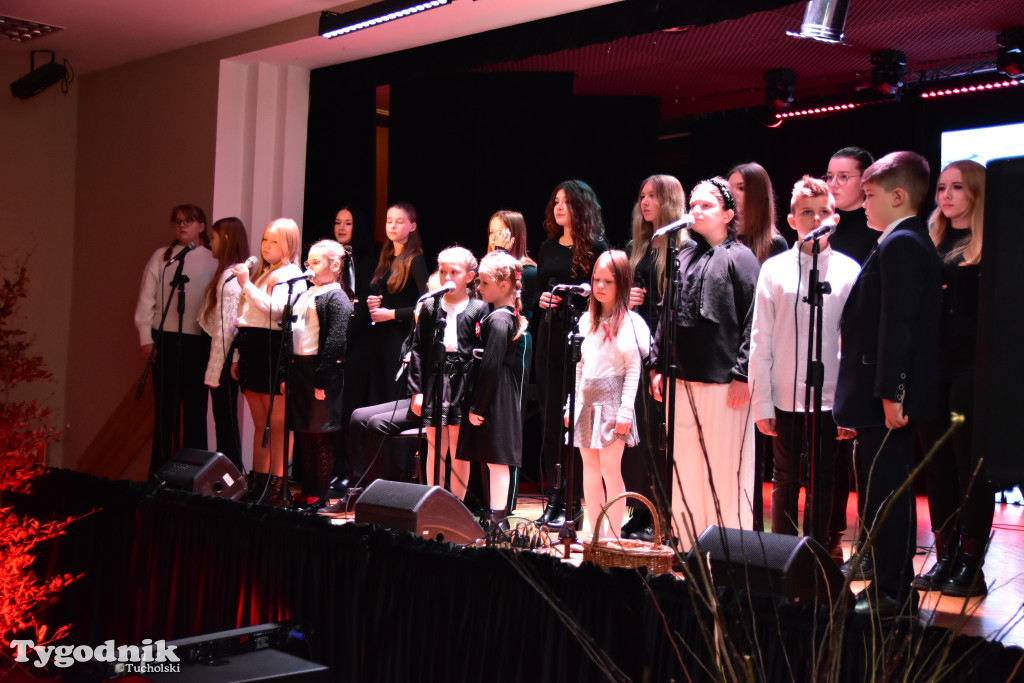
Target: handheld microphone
x,y
675,226
827,227
583,289
249,263
374,291
443,289
180,256
306,275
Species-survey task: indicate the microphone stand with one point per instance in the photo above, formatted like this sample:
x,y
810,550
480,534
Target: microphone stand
x,y
177,282
670,371
438,350
285,355
567,534
811,451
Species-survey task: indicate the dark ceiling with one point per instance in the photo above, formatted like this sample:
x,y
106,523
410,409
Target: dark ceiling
x,y
720,66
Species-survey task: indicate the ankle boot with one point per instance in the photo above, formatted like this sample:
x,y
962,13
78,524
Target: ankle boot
x,y
254,482
555,504
945,558
557,520
272,497
966,580
834,546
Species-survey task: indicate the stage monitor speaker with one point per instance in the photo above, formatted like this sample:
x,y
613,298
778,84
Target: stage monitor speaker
x,y
262,665
999,372
793,567
205,472
427,511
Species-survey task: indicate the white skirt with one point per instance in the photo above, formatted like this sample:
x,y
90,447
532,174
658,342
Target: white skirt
x,y
728,472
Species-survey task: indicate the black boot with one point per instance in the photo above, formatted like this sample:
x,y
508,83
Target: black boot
x,y
272,497
554,508
945,558
640,526
254,481
834,546
966,580
866,571
557,521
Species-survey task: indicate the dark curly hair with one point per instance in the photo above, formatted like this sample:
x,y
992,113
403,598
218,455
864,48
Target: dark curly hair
x,y
587,223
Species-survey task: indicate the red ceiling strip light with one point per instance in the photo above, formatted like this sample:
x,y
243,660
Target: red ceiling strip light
x,y
830,109
961,90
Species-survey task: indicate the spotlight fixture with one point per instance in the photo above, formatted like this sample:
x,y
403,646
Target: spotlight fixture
x,y
887,72
1010,59
333,24
38,80
824,20
778,90
967,89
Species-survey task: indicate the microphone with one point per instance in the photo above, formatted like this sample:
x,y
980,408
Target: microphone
x,y
583,289
180,256
440,291
306,275
827,227
374,291
675,226
249,263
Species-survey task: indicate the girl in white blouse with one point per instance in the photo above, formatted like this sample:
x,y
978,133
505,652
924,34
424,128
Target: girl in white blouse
x,y
615,342
259,344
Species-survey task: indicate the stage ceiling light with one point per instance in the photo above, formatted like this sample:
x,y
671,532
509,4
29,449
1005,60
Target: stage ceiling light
x,y
38,80
778,90
333,24
968,89
1010,59
887,72
20,30
824,20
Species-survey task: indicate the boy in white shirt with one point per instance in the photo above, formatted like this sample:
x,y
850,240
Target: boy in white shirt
x,y
778,359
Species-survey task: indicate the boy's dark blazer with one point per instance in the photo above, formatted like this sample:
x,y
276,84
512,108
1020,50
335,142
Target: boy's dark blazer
x,y
889,331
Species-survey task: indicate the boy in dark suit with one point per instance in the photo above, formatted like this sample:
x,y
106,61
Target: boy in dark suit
x,y
888,369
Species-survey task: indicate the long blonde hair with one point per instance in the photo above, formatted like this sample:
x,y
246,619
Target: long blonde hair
x,y
973,175
672,201
288,232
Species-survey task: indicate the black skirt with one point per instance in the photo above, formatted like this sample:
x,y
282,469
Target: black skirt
x,y
259,352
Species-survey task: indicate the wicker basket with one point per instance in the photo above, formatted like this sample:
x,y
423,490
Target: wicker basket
x,y
629,553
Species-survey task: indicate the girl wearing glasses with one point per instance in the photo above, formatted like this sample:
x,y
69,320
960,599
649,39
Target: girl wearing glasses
x,y
317,377
179,364
852,237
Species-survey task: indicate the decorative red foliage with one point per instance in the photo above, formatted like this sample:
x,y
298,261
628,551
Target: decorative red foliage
x,y
23,437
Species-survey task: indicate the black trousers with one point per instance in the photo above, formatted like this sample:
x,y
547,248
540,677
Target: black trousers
x,y
881,469
180,391
790,472
950,475
551,363
224,400
369,429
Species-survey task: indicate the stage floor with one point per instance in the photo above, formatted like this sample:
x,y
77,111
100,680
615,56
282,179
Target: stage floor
x,y
997,617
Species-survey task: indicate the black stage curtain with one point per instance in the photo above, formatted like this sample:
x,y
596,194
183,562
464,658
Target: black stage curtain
x,y
375,605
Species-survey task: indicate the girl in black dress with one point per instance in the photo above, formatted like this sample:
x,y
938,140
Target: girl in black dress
x,y
398,281
455,317
317,377
755,211
661,201
494,434
960,505
575,230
